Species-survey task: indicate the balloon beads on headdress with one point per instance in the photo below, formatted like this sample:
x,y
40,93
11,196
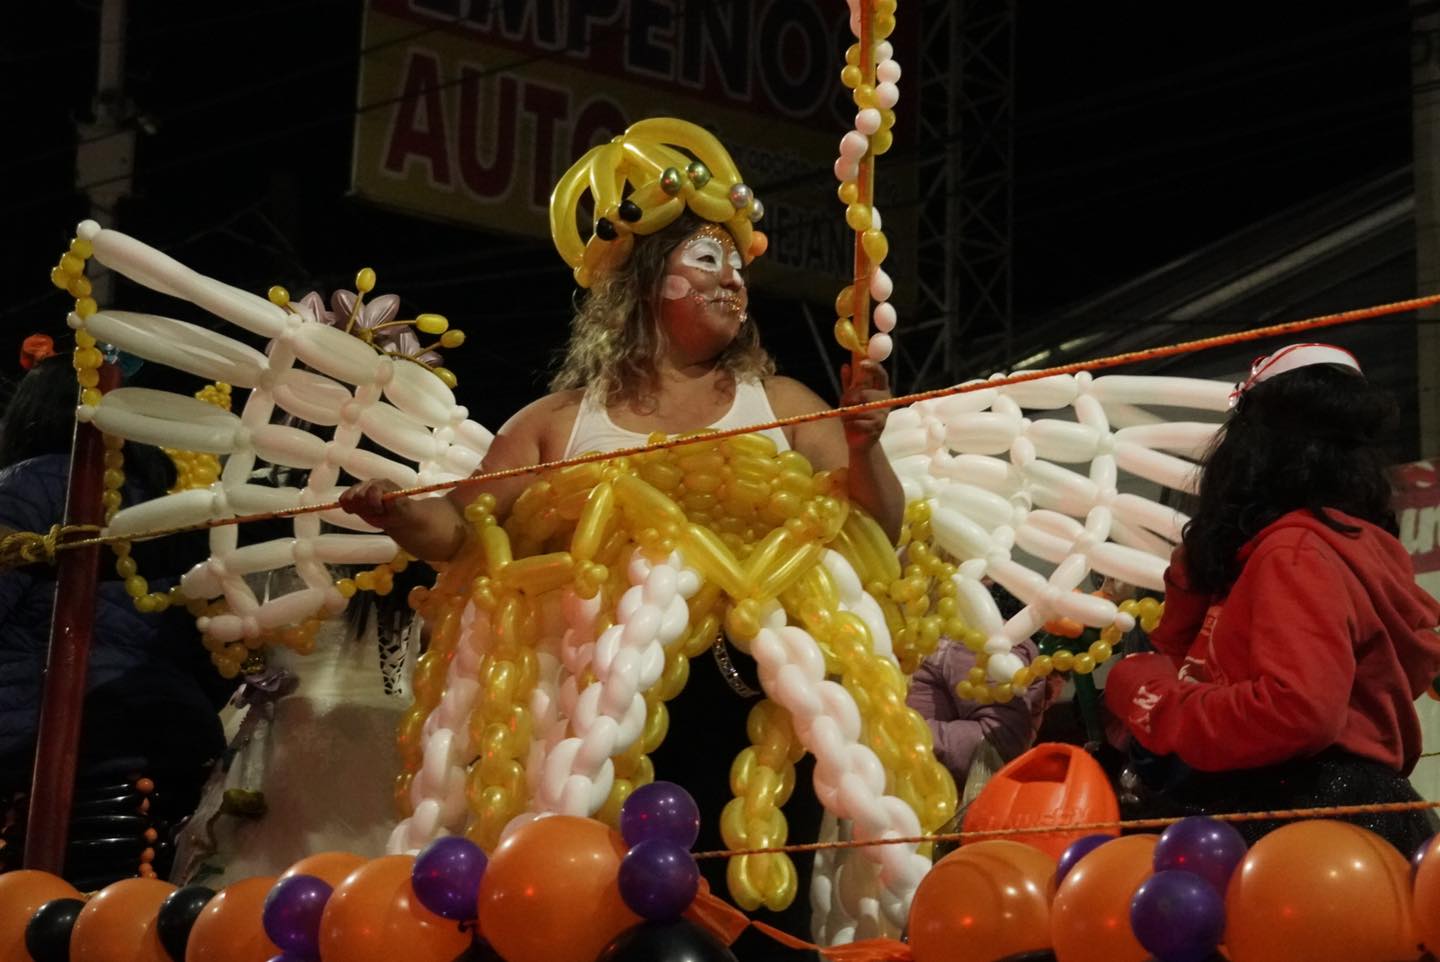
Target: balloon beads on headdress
x,y
668,165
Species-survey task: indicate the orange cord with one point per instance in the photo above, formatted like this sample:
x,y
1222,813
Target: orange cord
x,y
1104,363
1280,814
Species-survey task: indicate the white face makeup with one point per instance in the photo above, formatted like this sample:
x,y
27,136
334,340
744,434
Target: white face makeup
x,y
709,253
703,291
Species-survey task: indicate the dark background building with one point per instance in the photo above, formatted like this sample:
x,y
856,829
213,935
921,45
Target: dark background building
x,y
1164,171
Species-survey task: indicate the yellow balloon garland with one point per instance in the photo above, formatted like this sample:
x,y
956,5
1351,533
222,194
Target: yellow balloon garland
x,y
756,524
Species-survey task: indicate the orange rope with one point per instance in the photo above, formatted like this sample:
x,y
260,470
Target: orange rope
x,y
1104,363
1080,827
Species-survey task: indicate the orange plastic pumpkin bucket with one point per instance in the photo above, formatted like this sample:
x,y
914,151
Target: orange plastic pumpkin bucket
x,y
1051,784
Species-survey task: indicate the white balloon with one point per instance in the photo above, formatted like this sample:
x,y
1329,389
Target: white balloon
x,y
1170,391
1044,393
311,396
1156,466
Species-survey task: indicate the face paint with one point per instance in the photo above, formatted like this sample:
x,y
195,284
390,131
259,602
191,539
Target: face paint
x,y
675,287
703,293
703,252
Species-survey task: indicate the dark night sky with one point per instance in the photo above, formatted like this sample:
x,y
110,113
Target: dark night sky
x,y
1143,131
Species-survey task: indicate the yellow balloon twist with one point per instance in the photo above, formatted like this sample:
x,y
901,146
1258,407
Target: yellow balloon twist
x,y
762,778
639,183
755,523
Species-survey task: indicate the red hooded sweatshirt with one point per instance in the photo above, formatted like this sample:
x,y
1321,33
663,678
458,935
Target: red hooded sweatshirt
x,y
1324,640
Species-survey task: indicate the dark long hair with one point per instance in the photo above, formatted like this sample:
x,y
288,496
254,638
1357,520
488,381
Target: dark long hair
x,y
1314,439
40,417
615,338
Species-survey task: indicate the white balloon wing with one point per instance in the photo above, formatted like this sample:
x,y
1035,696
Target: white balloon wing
x,y
416,433
1039,503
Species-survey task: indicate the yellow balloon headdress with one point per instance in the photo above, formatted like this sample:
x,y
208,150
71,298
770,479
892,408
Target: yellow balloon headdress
x,y
662,181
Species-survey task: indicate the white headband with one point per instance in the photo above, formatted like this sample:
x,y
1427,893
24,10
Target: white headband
x,y
1290,358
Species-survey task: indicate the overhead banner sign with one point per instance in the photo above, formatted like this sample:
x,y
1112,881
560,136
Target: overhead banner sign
x,y
470,110
1417,509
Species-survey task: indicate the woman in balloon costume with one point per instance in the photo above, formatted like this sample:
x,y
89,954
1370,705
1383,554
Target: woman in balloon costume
x,y
663,344
1295,639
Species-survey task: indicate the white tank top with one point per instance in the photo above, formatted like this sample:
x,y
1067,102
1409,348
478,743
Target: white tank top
x,y
594,431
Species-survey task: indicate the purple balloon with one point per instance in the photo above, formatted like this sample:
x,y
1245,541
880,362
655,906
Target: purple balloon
x,y
447,877
292,914
1209,848
1077,850
658,879
1177,916
660,810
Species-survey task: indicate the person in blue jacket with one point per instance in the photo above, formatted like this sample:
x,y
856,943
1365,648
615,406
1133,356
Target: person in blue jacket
x,y
151,695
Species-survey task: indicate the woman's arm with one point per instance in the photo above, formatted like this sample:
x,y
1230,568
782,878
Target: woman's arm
x,y
852,442
433,529
1293,600
1185,611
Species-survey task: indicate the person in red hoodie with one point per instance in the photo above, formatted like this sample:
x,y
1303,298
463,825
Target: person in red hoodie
x,y
1295,639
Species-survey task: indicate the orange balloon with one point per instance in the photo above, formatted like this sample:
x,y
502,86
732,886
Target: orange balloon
x,y
551,891
332,867
1051,784
1321,891
1427,897
374,916
986,900
118,923
21,895
1090,917
229,928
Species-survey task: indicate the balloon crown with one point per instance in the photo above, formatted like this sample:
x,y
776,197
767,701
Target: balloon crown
x,y
640,182
378,324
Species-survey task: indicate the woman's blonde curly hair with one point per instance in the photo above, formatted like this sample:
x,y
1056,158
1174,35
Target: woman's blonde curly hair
x,y
615,336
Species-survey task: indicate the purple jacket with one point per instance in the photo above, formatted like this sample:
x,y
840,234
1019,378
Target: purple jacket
x,y
959,726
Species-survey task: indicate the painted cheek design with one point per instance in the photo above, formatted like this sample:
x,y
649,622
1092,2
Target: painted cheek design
x,y
675,288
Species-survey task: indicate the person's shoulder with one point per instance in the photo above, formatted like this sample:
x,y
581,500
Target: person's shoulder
x,y
554,403
788,396
33,490
1297,541
544,422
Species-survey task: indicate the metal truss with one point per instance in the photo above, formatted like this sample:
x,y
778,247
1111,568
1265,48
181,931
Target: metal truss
x,y
961,321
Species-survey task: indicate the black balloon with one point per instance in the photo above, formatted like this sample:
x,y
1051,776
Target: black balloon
x,y
47,934
479,951
1038,955
677,941
177,917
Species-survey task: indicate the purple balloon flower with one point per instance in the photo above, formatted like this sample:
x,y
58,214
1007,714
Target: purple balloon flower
x,y
658,879
1077,850
447,877
1177,916
1209,848
660,810
291,916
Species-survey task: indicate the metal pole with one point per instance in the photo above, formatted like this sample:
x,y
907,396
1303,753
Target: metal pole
x,y
105,160
58,742
1425,108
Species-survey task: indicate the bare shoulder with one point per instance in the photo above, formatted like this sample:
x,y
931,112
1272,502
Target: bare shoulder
x,y
789,397
548,406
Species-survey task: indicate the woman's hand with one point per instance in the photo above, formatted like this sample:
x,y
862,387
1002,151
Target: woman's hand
x,y
367,501
431,529
870,383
